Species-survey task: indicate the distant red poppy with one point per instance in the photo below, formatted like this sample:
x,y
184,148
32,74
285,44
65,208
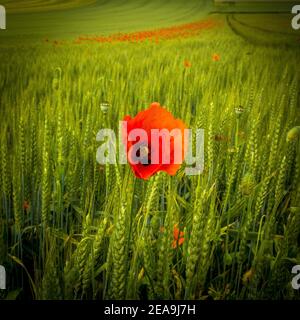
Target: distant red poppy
x,y
150,146
178,237
162,229
187,63
26,205
215,57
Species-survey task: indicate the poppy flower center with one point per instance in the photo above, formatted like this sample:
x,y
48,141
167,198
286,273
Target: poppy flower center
x,y
144,154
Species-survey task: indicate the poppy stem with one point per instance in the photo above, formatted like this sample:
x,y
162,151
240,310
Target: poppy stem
x,y
236,142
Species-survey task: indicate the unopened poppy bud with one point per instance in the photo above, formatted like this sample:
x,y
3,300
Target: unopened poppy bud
x,y
104,106
293,134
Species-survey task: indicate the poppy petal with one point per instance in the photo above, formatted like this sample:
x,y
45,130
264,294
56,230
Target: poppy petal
x,y
155,117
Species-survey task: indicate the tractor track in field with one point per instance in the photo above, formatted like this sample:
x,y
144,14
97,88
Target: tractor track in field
x,y
259,28
234,24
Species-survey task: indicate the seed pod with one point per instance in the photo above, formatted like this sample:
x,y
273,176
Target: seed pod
x,y
57,78
55,84
293,134
104,106
239,110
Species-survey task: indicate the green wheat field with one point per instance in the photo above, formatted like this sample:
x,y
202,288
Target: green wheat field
x,y
71,228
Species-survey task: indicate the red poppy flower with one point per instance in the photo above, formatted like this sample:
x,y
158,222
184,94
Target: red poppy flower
x,y
26,205
215,57
187,63
157,150
178,237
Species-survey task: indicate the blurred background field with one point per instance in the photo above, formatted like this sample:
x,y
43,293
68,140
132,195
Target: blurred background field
x,y
32,21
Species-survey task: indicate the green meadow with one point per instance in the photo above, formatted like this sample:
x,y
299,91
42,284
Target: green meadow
x,y
71,228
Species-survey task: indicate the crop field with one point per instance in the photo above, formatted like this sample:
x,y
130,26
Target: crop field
x,y
71,228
